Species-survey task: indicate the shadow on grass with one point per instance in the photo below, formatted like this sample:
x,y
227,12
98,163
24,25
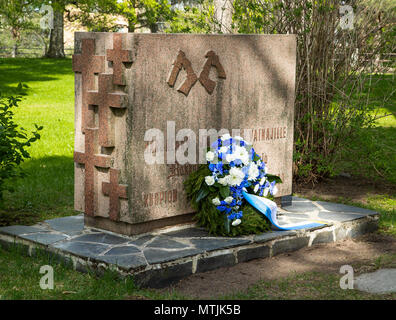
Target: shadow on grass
x,y
46,192
15,70
372,153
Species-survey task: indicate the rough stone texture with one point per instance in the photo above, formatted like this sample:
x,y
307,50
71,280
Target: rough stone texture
x,y
323,237
213,244
163,277
267,236
154,77
381,281
253,253
68,225
160,255
289,245
101,238
207,264
181,252
44,238
19,230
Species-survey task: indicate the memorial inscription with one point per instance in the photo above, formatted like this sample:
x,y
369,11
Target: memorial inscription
x,y
124,88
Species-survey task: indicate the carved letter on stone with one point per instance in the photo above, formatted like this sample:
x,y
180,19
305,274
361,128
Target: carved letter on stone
x,y
91,160
213,61
182,62
114,191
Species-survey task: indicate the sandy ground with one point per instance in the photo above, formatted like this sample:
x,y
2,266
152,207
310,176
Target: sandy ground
x,y
326,257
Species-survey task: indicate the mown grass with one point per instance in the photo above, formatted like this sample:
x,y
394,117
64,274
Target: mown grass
x,y
47,191
20,279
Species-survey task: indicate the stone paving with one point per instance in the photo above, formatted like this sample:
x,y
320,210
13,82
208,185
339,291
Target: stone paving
x,y
158,258
381,281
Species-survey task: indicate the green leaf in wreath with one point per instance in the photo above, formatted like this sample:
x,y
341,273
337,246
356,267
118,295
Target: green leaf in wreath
x,y
224,191
272,177
202,193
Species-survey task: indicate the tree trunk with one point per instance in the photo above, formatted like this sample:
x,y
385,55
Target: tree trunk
x,y
56,46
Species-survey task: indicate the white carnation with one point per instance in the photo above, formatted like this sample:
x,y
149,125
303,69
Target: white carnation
x,y
210,156
230,157
216,201
236,176
224,181
209,180
253,171
228,199
223,149
225,137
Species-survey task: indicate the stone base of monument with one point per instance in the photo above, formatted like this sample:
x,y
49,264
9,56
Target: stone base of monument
x,y
159,258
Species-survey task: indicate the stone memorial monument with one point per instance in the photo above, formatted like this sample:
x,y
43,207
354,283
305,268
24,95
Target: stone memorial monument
x,y
142,99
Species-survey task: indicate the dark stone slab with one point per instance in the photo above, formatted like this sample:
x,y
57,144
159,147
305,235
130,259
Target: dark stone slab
x,y
44,238
18,230
163,277
301,206
294,215
298,199
122,250
69,225
253,253
160,256
142,240
189,233
323,237
339,216
207,264
363,228
215,244
82,249
289,245
268,236
286,201
101,238
342,208
126,261
166,243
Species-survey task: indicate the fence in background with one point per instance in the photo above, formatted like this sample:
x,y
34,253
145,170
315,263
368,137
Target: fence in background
x,y
23,52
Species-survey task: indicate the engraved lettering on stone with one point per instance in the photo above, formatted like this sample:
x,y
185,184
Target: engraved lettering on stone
x,y
213,61
182,62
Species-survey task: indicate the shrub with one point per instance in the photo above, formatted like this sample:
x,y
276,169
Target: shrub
x,y
14,141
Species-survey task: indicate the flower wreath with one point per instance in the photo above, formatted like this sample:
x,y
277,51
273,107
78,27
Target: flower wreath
x,y
216,188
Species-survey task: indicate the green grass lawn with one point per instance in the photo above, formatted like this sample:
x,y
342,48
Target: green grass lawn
x,y
47,191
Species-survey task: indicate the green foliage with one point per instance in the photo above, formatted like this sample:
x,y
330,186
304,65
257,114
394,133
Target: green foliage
x,y
193,19
334,66
213,220
13,143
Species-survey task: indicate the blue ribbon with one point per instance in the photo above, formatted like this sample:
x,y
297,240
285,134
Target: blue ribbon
x,y
269,209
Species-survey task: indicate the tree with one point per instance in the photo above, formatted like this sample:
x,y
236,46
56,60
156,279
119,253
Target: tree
x,y
15,15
